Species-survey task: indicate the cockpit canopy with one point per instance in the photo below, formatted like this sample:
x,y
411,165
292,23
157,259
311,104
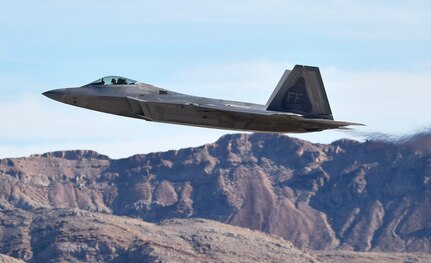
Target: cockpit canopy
x,y
113,80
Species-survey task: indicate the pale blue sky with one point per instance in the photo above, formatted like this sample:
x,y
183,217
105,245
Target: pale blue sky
x,y
374,57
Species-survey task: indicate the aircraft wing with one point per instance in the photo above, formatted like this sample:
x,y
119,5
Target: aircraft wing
x,y
166,110
143,107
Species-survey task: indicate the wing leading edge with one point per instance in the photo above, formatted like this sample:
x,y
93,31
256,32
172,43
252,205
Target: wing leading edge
x,y
223,116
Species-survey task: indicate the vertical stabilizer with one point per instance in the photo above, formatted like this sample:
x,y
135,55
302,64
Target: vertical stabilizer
x,y
301,91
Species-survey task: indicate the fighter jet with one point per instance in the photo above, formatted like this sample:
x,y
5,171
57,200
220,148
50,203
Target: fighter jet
x,y
297,105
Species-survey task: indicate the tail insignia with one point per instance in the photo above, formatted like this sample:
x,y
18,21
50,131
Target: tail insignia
x,y
296,98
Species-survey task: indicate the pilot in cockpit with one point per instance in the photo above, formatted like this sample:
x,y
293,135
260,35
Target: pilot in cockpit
x,y
121,81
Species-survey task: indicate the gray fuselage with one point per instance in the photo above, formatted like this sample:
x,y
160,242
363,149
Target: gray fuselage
x,y
297,105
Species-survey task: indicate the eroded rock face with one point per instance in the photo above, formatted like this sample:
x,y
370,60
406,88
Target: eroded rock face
x,y
370,196
7,259
73,235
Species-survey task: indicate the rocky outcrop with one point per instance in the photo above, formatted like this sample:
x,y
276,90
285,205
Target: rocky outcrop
x,y
73,235
369,196
7,259
371,257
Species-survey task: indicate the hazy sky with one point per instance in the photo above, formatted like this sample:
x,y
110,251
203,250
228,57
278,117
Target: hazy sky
x,y
374,56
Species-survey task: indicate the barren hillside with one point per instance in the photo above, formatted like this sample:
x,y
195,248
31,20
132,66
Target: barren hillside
x,y
370,196
73,235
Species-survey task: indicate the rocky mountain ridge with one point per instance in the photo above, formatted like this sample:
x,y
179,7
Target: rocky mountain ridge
x,y
74,235
362,196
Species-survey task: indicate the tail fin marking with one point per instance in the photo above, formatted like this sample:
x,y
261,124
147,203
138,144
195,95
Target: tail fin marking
x,y
301,91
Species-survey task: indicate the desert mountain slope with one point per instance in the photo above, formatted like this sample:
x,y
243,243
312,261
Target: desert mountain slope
x,y
7,259
370,196
73,235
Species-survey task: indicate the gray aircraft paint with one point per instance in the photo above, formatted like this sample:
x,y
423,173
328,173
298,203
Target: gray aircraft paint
x,y
298,104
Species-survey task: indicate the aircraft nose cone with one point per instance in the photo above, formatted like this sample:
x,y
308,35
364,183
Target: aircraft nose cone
x,y
54,94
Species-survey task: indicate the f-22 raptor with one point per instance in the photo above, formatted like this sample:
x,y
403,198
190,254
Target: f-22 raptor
x,y
298,104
